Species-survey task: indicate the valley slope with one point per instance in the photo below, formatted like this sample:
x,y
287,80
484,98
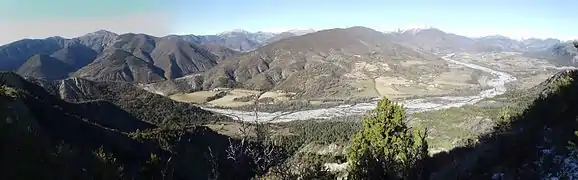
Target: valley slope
x,y
335,64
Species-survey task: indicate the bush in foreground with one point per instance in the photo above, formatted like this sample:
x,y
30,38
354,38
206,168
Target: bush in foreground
x,y
385,148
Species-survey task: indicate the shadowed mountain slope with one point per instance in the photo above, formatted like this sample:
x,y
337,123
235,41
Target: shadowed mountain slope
x,y
56,139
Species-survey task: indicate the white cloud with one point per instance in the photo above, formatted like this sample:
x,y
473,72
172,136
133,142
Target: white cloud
x,y
154,24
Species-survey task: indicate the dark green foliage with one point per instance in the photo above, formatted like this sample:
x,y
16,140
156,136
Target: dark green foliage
x,y
152,107
217,96
197,152
107,167
315,170
110,115
308,166
323,158
385,148
153,167
503,120
245,98
29,153
299,105
322,132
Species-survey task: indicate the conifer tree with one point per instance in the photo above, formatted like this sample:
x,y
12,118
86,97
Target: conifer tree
x,y
385,148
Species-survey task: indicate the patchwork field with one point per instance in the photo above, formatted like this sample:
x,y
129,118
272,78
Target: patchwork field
x,y
199,97
231,98
456,81
529,71
235,98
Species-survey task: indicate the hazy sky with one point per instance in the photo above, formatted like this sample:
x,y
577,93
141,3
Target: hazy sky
x,y
70,18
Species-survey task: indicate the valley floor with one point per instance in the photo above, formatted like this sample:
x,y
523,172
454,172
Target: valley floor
x,y
470,115
497,84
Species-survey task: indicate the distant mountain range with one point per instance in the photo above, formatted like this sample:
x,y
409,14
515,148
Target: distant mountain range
x,y
240,40
435,40
104,55
257,60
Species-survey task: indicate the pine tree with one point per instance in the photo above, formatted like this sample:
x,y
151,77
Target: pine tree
x,y
385,148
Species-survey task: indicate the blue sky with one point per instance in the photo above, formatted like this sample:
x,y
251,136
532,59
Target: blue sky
x,y
513,18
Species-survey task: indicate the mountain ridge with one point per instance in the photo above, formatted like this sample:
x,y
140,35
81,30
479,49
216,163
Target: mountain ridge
x,y
174,55
161,58
290,64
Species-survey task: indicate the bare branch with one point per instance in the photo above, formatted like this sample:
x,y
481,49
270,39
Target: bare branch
x,y
214,165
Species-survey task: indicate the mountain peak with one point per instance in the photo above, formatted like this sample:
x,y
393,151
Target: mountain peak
x,y
496,36
44,67
233,31
299,32
102,32
58,38
359,29
419,30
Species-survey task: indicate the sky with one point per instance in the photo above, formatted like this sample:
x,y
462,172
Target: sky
x,y
474,18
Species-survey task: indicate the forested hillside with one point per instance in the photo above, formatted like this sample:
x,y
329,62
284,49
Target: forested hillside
x,y
48,138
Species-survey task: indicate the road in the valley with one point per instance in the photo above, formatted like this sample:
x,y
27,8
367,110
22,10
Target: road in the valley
x,y
412,106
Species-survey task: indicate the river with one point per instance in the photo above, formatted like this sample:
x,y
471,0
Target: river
x,y
413,105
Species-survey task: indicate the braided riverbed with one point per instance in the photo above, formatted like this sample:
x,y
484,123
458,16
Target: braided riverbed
x,y
498,82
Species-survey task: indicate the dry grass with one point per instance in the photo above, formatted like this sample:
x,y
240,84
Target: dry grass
x,y
199,97
529,71
365,88
410,63
513,63
454,77
530,81
277,96
385,86
232,98
232,129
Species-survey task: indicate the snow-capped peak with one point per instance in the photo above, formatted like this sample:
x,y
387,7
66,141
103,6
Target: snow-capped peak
x,y
300,32
414,31
233,31
101,32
